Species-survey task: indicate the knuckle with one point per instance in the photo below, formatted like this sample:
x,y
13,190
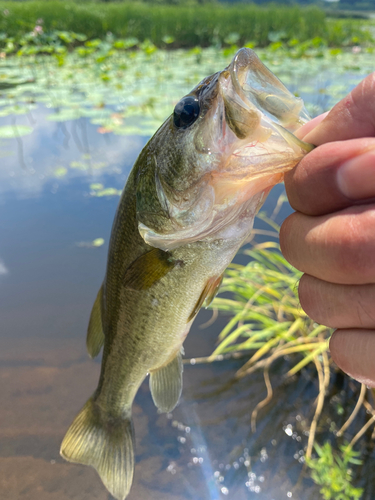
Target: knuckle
x,y
286,236
349,244
304,294
349,262
355,255
312,299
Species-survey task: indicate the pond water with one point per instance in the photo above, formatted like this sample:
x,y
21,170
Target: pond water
x,y
69,137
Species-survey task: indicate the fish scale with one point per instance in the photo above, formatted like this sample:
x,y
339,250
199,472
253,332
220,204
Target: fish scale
x,y
188,205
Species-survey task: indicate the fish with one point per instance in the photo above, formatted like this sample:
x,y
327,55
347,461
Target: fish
x,y
187,207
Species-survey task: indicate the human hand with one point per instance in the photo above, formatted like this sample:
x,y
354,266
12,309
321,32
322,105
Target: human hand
x,y
331,236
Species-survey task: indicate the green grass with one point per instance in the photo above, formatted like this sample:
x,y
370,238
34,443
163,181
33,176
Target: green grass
x,y
187,25
268,323
350,32
332,471
266,313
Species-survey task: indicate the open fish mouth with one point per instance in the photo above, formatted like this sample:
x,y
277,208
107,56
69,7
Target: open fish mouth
x,y
256,84
260,116
243,144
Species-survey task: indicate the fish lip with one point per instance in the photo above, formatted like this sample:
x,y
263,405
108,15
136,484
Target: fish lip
x,y
240,66
237,109
236,66
258,105
258,87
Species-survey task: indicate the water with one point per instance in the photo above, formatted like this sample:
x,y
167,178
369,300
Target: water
x,y
50,213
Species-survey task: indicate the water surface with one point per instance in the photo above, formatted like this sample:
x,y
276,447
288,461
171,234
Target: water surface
x,y
73,143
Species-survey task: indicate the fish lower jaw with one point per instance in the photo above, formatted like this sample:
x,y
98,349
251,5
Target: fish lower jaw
x,y
235,201
238,191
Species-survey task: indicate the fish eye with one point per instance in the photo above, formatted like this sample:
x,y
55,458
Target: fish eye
x,y
186,112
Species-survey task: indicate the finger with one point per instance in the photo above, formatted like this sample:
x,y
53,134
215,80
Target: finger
x,y
337,306
332,176
352,117
353,351
338,248
305,129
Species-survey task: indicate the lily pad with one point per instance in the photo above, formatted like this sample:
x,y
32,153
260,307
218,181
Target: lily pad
x,y
12,131
106,192
99,165
96,186
79,165
98,242
5,153
60,172
64,115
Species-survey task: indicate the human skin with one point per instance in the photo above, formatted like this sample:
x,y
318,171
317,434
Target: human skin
x,y
331,236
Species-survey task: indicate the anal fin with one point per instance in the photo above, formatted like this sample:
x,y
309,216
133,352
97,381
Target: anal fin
x,y
95,334
166,384
208,294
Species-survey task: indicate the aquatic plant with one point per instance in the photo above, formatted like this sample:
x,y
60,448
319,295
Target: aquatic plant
x,y
268,324
177,25
331,470
267,316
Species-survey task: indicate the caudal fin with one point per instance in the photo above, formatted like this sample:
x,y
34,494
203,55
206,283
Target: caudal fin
x,y
106,445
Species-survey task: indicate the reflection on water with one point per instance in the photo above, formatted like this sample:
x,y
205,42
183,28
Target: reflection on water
x,y
53,198
56,153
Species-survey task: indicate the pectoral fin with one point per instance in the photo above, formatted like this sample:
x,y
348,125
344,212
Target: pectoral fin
x,y
95,335
148,269
208,294
166,384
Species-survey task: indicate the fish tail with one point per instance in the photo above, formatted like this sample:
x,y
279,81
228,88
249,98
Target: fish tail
x,y
104,443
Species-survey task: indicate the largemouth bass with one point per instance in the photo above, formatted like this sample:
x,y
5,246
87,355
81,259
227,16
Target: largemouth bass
x,y
187,207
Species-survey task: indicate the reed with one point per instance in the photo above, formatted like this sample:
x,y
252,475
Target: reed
x,y
188,25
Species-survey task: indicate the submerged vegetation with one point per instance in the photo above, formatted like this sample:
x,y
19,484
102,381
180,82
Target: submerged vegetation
x,y
332,471
268,323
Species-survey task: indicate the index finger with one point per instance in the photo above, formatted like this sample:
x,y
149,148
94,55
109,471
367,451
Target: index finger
x,y
305,129
313,187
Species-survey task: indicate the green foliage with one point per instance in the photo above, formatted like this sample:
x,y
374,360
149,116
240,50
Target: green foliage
x,y
187,25
331,470
55,27
266,312
268,320
10,131
125,87
350,32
